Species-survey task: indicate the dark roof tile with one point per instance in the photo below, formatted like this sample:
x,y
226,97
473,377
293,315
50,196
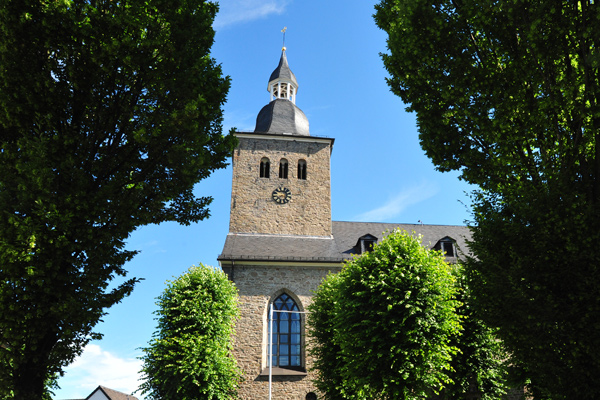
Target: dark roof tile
x,y
112,394
340,247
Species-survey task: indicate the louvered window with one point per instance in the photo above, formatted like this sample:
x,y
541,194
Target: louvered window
x,y
302,169
283,169
265,168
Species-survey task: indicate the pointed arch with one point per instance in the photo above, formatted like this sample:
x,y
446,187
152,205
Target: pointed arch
x,y
288,331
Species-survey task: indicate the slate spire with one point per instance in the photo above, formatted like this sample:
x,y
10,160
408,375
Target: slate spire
x,y
281,115
283,83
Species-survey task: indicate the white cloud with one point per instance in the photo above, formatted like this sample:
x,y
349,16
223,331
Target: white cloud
x,y
99,367
396,205
237,11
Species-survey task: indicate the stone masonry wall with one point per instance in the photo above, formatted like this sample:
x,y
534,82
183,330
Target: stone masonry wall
x,y
257,286
252,207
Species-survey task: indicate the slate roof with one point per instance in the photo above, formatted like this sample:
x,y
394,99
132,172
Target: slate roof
x,y
112,394
282,116
283,71
335,249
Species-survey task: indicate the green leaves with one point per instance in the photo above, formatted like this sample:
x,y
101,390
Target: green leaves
x,y
382,327
507,93
110,113
190,355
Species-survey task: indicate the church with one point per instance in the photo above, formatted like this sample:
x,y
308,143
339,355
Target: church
x,y
282,242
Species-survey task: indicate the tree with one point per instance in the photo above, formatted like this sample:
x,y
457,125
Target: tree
x,y
481,364
110,112
190,355
328,364
382,327
507,93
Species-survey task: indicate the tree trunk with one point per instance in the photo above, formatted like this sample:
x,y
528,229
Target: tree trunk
x,y
29,380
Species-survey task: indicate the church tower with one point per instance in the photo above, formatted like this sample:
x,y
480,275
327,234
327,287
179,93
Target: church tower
x,y
280,226
282,242
281,174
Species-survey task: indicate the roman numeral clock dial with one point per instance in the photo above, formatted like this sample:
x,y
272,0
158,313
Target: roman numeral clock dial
x,y
281,195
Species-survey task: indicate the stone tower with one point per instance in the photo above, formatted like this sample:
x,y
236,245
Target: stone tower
x,y
281,174
280,213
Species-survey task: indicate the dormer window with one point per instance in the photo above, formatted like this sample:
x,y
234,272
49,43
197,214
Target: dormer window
x,y
365,243
265,168
446,245
283,169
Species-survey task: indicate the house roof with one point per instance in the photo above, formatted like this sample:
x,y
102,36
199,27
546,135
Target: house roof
x,y
335,249
112,394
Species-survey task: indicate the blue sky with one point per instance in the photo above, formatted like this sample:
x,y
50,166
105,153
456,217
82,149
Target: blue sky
x,y
378,170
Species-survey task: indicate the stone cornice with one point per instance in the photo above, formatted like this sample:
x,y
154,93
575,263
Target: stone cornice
x,y
285,137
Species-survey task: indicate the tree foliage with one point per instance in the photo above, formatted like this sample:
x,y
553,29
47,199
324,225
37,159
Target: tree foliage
x,y
328,363
110,112
190,355
382,327
507,92
481,365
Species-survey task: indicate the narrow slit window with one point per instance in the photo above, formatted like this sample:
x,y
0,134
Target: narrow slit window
x,y
283,169
302,169
265,168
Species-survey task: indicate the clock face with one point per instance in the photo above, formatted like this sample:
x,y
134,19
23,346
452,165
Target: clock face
x,y
281,195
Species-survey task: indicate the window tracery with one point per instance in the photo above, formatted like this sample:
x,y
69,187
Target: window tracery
x,y
286,336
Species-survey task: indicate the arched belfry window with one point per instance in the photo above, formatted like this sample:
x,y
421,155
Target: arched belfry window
x,y
286,345
283,168
265,168
301,169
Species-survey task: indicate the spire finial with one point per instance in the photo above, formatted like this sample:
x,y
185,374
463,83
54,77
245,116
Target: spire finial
x,y
283,31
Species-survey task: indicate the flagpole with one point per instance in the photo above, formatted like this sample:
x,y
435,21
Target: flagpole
x,y
270,341
270,351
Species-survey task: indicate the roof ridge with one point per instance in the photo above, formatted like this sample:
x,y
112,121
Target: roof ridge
x,y
277,235
396,223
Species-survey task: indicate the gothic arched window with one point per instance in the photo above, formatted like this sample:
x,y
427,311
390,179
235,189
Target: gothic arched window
x,y
286,335
301,169
283,169
265,167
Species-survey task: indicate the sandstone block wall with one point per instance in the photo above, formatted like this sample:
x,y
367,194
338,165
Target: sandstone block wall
x,y
257,286
252,207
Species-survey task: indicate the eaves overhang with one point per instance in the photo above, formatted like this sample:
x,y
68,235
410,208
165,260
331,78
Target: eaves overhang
x,y
286,137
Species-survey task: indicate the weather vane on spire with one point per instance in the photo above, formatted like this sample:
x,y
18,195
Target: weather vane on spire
x,y
283,31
